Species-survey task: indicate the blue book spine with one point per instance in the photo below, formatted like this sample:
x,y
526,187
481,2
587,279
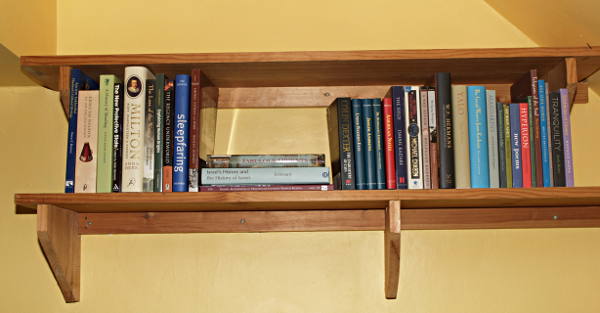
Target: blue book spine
x,y
547,172
369,144
478,139
359,162
378,134
79,81
515,140
399,136
181,133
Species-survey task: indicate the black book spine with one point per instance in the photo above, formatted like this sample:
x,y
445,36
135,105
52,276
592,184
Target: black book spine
x,y
556,140
117,137
169,111
501,145
346,141
446,145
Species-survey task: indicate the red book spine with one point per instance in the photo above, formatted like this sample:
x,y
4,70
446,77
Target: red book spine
x,y
525,141
388,139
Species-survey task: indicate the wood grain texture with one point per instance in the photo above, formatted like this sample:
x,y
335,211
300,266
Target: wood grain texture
x,y
64,87
58,235
391,239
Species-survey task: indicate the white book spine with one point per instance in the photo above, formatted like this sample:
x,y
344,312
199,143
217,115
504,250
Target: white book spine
x,y
492,139
133,128
415,141
460,135
87,141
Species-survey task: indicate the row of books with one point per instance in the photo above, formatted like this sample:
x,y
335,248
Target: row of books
x,y
453,136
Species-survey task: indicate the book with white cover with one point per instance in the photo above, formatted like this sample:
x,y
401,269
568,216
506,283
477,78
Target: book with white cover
x,y
87,141
414,139
460,135
492,139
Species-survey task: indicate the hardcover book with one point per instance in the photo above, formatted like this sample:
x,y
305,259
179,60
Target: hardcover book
x,y
341,147
117,140
181,134
549,122
359,157
413,131
425,136
478,141
167,171
460,136
558,152
433,139
134,128
525,149
501,145
398,108
492,129
87,139
388,139
369,144
159,124
265,160
105,133
225,188
566,128
508,144
515,139
261,176
533,152
149,133
378,140
544,143
445,129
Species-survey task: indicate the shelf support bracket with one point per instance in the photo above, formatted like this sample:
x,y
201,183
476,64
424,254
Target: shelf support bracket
x,y
392,248
59,238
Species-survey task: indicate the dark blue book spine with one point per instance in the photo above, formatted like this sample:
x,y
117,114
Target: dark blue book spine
x,y
515,140
378,134
79,81
181,133
369,144
359,162
399,136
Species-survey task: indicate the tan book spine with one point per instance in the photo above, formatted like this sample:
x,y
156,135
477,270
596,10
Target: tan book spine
x,y
460,123
87,141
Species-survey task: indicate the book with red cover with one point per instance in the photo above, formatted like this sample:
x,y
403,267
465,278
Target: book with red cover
x,y
388,140
266,188
525,144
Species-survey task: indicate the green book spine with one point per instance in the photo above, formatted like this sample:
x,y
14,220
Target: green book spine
x,y
105,133
532,145
159,118
507,145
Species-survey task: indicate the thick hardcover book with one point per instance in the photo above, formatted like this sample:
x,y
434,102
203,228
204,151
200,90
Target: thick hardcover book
x,y
460,135
501,145
478,133
525,149
105,133
87,142
149,133
558,151
194,125
492,129
533,152
566,128
159,124
359,154
508,144
369,144
265,160
181,134
415,141
433,139
341,149
262,176
388,140
397,94
544,150
266,188
134,128
425,136
515,139
378,140
117,137
549,122
445,128
79,81
167,171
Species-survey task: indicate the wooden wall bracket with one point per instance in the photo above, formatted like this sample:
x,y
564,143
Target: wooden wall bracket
x,y
391,239
58,235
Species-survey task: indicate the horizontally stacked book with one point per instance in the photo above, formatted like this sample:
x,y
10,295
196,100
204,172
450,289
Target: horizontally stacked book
x,y
453,136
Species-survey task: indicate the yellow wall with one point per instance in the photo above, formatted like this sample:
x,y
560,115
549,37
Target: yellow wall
x,y
441,271
28,26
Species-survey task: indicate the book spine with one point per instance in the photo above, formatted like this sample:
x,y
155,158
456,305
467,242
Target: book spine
x,y
265,160
445,129
87,141
266,188
536,143
105,127
508,144
533,152
194,125
544,151
492,123
388,139
558,153
134,128
515,138
460,122
275,176
501,145
478,141
433,140
399,137
167,171
525,149
369,144
566,128
413,118
159,122
149,136
346,145
378,140
181,133
117,140
425,136
358,145
549,122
